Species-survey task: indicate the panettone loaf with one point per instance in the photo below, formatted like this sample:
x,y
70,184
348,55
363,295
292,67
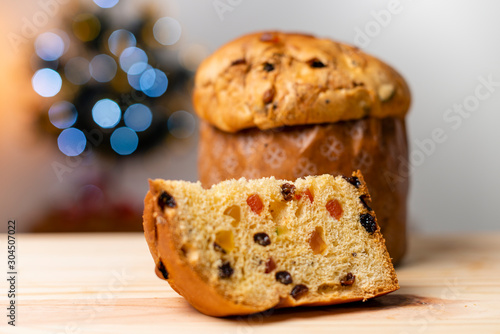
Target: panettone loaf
x,y
289,105
246,246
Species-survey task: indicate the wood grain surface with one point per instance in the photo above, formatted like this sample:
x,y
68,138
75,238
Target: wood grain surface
x,y
105,283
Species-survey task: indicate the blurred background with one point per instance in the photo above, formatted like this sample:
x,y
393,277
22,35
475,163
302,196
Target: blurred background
x,y
95,99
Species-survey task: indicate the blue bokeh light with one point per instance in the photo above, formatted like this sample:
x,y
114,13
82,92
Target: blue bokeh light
x,y
106,113
138,117
106,3
71,142
153,82
63,114
134,75
124,141
46,82
49,46
103,68
131,56
120,40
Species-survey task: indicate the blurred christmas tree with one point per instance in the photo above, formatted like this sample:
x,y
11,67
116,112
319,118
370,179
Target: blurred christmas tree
x,y
114,88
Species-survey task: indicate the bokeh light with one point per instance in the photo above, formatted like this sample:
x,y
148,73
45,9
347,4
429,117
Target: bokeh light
x,y
86,27
106,113
181,124
167,31
119,40
138,117
77,70
106,3
124,141
131,56
46,82
103,68
71,142
134,74
49,46
153,82
63,114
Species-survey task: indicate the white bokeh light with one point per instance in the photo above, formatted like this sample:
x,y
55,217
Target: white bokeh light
x,y
167,31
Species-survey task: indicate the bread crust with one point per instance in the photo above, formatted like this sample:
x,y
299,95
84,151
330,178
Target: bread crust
x,y
160,235
273,79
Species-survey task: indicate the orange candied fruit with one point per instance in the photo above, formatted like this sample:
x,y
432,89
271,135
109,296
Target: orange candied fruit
x,y
255,203
334,208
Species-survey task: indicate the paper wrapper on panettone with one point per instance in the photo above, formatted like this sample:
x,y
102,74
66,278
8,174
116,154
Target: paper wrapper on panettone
x,y
377,147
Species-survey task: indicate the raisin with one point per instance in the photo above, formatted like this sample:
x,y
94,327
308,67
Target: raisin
x,y
299,290
348,279
268,95
287,190
217,247
255,203
363,201
334,208
269,37
162,270
316,63
225,270
270,265
268,67
262,239
284,277
239,62
353,180
165,199
309,195
368,222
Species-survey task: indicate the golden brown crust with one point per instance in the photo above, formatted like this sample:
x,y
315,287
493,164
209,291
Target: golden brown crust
x,y
161,235
181,277
376,146
272,79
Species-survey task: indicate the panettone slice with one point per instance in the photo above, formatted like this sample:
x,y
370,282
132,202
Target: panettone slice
x,y
245,246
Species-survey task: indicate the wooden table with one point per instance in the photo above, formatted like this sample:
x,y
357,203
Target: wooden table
x,y
104,283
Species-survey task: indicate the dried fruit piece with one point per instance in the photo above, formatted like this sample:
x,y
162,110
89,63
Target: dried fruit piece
x,y
309,195
363,201
269,95
348,279
268,67
280,230
269,37
334,208
316,241
225,240
287,190
225,270
353,180
255,203
284,277
162,270
218,248
270,265
166,200
386,92
316,63
262,239
299,290
234,212
239,61
368,222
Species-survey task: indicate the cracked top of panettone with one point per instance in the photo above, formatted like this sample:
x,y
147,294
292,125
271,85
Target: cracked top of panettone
x,y
274,79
